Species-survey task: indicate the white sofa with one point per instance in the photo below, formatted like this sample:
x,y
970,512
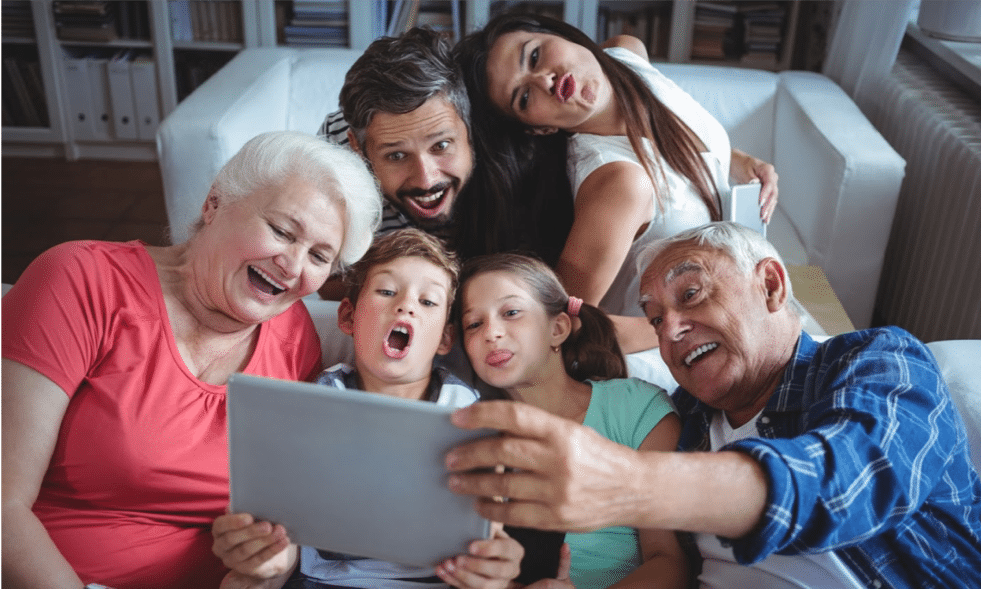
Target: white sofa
x,y
839,179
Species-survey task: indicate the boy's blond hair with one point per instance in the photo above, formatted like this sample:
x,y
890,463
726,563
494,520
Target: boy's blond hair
x,y
403,243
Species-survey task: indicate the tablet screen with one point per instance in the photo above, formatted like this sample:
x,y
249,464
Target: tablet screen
x,y
349,471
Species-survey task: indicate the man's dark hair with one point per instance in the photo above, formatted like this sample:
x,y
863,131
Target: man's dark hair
x,y
397,75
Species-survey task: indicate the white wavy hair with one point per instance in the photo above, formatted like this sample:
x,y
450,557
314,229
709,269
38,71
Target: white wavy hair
x,y
745,246
272,158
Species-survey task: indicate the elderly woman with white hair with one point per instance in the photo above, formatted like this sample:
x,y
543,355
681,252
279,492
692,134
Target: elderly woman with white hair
x,y
116,357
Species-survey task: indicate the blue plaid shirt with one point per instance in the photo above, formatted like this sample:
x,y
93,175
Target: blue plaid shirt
x,y
865,455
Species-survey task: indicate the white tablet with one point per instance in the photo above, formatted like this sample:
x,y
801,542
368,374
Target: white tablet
x,y
743,206
349,471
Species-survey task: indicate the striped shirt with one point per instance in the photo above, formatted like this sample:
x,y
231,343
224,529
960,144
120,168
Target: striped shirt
x,y
866,455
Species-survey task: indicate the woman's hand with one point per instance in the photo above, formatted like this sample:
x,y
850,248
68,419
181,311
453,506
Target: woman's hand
x,y
489,564
745,168
259,550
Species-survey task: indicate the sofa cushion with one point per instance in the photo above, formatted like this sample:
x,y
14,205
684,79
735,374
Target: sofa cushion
x,y
317,77
742,100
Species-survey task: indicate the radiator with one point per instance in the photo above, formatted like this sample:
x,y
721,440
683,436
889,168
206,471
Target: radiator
x,y
931,276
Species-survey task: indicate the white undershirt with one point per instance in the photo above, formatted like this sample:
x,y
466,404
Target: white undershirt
x,y
806,571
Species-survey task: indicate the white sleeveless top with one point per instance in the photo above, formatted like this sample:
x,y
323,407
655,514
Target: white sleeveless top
x,y
684,208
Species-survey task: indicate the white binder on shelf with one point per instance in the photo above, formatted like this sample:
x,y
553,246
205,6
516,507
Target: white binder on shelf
x,y
76,70
121,96
98,87
143,76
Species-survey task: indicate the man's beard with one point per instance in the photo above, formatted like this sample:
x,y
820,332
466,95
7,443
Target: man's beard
x,y
444,220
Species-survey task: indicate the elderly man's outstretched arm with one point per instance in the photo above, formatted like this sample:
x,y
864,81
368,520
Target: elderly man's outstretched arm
x,y
568,477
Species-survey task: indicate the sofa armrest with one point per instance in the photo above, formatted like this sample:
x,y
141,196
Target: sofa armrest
x,y
248,96
846,181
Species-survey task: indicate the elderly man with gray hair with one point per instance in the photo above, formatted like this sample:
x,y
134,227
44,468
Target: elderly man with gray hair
x,y
842,463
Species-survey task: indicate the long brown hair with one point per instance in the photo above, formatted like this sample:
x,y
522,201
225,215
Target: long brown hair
x,y
645,116
591,351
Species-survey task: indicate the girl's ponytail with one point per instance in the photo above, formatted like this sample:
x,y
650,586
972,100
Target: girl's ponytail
x,y
592,352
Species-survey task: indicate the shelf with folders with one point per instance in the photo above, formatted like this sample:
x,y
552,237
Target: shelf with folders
x,y
111,94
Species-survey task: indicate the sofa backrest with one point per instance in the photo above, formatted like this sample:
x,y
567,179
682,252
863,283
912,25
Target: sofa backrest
x,y
743,100
316,78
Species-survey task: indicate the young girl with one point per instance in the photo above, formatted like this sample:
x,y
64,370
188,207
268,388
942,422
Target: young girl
x,y
644,159
518,330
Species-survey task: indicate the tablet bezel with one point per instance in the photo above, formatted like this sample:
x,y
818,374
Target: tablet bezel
x,y
348,471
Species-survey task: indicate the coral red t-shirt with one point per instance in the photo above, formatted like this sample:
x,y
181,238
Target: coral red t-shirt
x,y
140,469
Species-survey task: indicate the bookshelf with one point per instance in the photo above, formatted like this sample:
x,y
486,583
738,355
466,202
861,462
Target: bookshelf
x,y
744,33
182,42
174,44
672,30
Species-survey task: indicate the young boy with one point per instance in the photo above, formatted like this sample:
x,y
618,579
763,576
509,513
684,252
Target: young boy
x,y
397,310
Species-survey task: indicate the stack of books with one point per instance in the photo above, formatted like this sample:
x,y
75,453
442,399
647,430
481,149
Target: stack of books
x,y
715,34
86,21
17,21
215,20
443,17
648,21
318,23
763,24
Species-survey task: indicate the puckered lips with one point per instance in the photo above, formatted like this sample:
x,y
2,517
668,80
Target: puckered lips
x,y
565,88
699,353
498,358
396,344
265,283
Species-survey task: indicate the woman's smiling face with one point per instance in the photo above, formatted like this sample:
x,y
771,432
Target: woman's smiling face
x,y
545,81
269,249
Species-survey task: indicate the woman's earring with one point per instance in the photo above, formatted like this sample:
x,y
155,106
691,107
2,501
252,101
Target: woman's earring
x,y
555,349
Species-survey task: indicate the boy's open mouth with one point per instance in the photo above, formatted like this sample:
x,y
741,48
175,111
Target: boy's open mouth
x,y
397,342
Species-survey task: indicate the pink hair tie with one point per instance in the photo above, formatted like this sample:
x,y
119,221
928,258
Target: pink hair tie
x,y
575,303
